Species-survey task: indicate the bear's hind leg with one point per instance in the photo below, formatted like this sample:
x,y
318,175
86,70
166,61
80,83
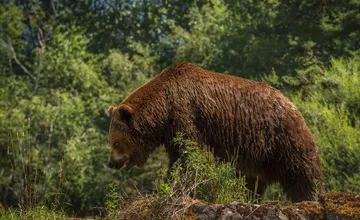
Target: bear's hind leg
x,y
299,190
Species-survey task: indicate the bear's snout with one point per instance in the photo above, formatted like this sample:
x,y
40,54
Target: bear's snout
x,y
110,165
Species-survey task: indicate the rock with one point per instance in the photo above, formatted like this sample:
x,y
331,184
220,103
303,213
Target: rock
x,y
337,206
230,214
206,213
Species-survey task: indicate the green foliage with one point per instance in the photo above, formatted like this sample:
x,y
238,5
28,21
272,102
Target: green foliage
x,y
198,42
11,23
339,144
71,66
123,74
274,193
11,18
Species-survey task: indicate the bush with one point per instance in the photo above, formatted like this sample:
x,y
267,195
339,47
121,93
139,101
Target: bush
x,y
207,178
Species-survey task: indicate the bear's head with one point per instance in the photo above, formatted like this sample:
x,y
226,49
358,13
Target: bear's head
x,y
123,148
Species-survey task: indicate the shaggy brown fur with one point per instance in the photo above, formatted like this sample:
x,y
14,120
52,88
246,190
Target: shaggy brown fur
x,y
227,113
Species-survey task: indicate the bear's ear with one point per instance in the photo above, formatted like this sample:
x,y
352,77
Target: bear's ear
x,y
122,113
112,110
125,113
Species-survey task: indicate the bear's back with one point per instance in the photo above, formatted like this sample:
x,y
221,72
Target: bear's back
x,y
194,77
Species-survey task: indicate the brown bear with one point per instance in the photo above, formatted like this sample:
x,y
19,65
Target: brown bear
x,y
227,113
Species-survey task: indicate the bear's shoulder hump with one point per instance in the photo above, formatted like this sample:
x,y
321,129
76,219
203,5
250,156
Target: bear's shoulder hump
x,y
181,69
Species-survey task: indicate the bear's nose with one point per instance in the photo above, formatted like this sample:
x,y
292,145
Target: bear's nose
x,y
110,165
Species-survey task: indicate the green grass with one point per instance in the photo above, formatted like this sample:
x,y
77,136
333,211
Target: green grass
x,y
39,212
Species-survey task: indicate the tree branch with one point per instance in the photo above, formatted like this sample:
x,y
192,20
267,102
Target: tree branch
x,y
40,37
10,48
53,7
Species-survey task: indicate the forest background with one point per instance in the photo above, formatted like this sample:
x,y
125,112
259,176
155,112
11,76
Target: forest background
x,y
63,63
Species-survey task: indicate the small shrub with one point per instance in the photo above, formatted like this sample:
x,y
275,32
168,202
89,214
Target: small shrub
x,y
113,202
274,192
206,177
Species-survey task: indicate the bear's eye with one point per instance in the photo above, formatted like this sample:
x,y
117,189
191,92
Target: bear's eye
x,y
116,144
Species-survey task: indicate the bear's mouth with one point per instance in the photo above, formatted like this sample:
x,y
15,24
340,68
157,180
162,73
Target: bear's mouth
x,y
126,162
117,164
129,164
